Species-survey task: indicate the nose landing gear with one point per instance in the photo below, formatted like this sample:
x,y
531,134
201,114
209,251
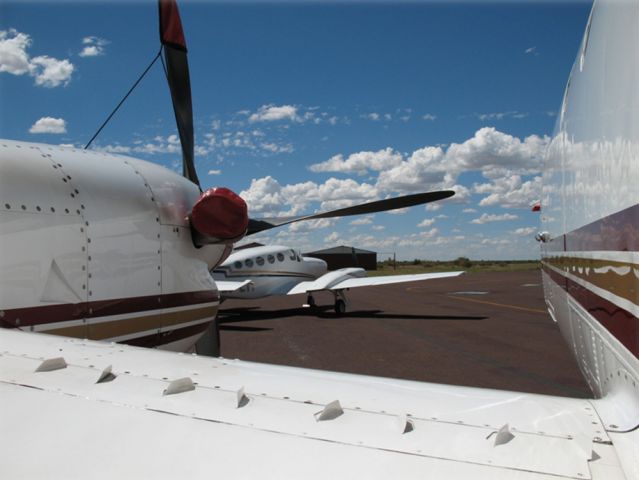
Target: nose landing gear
x,y
310,301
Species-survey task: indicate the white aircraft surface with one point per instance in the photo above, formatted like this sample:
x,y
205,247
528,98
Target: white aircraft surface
x,y
74,408
258,272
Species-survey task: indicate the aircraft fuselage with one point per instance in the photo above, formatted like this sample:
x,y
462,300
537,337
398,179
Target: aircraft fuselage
x,y
99,246
273,270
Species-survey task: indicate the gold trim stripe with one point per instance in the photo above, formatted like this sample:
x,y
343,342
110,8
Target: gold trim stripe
x,y
128,326
602,274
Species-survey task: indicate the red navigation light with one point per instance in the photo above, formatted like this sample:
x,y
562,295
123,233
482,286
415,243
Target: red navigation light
x,y
220,213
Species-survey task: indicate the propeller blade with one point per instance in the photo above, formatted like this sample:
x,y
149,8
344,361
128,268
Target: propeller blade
x,y
177,74
259,225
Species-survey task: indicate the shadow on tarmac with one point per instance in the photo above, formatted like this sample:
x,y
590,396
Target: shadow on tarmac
x,y
248,314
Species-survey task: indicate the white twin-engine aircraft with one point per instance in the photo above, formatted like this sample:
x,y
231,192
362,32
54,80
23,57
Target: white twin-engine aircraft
x,y
265,271
97,240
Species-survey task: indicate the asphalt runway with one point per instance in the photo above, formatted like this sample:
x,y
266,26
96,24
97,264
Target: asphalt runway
x,y
486,330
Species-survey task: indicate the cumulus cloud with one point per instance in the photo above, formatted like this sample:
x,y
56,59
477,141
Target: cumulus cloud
x,y
333,237
50,72
215,172
489,151
264,196
398,211
49,125
429,116
425,169
336,193
159,144
117,148
427,222
503,160
13,52
362,221
93,46
495,242
510,192
268,197
387,117
310,225
234,141
524,231
14,59
275,148
272,113
489,217
360,163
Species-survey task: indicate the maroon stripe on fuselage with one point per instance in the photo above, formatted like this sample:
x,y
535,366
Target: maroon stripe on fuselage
x,y
21,317
622,324
158,339
616,232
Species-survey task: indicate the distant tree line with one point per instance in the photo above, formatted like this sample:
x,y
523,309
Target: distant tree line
x,y
459,262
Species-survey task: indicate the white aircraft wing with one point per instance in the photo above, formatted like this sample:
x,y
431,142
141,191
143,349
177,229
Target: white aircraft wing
x,y
329,282
230,286
81,409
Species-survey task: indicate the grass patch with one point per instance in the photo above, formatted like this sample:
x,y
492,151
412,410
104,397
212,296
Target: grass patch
x,y
469,266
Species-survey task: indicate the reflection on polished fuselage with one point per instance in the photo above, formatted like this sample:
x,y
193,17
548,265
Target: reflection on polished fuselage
x,y
590,209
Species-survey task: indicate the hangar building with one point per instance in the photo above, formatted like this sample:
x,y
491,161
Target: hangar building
x,y
343,256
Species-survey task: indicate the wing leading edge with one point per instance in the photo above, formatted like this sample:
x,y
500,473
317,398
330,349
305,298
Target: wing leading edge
x,y
355,277
225,286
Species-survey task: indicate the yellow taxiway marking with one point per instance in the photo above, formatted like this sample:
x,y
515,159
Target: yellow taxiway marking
x,y
503,305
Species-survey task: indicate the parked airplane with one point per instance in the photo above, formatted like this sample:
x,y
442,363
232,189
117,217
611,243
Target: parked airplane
x,y
79,408
259,272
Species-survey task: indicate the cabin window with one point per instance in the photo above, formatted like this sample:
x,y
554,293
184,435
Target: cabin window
x,y
248,262
259,261
271,259
237,264
280,257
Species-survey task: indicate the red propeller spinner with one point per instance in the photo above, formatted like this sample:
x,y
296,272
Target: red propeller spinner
x,y
218,216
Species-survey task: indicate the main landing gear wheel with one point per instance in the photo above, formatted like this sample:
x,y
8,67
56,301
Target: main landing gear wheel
x,y
340,306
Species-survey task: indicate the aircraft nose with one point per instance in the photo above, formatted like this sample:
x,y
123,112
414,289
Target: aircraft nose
x,y
220,213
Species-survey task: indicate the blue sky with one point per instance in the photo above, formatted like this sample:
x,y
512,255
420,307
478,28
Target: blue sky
x,y
308,106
